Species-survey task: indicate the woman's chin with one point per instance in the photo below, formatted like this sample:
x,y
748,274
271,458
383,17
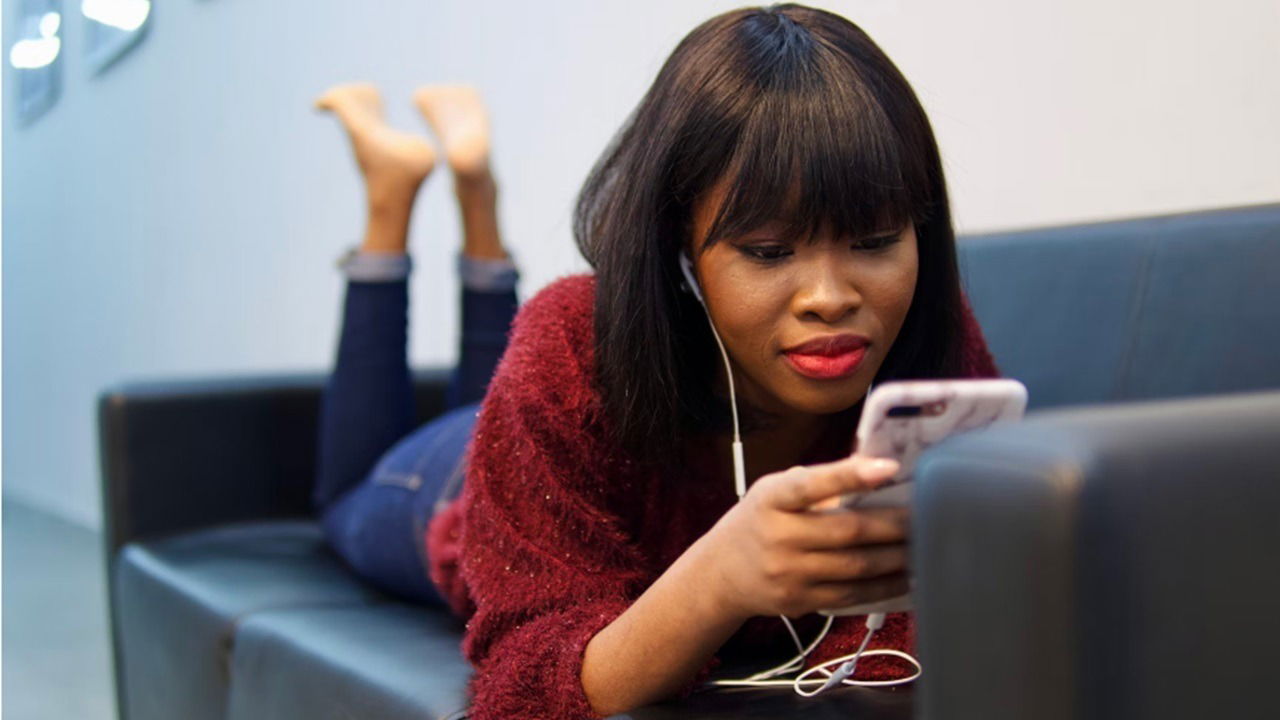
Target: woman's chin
x,y
825,400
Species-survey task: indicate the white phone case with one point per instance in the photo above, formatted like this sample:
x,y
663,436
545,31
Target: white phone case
x,y
891,427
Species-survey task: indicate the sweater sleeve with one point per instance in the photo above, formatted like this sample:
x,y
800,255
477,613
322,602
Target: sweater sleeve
x,y
546,562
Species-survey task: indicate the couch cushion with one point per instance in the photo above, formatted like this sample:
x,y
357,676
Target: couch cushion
x,y
1210,316
1156,307
178,602
1057,306
381,661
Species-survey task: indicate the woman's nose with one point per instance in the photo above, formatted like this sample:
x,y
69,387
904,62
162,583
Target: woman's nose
x,y
826,292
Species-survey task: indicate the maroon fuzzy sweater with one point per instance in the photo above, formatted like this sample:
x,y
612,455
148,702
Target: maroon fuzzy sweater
x,y
556,532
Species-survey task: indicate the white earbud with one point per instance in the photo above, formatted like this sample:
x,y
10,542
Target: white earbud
x,y
691,283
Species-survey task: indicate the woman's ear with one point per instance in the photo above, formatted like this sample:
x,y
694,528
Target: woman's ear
x,y
690,280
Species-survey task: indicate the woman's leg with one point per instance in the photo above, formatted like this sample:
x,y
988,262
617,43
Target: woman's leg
x,y
488,277
379,525
486,318
368,403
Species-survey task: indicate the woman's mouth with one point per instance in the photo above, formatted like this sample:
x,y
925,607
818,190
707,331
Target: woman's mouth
x,y
823,367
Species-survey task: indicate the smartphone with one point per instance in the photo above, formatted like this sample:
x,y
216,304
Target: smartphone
x,y
902,419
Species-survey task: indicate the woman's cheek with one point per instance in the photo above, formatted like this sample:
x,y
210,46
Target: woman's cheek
x,y
904,290
749,316
899,293
898,281
747,330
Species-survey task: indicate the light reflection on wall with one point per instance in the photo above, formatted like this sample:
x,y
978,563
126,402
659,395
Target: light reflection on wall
x,y
126,15
39,51
113,28
36,57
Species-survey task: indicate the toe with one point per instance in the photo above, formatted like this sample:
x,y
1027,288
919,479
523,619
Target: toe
x,y
351,99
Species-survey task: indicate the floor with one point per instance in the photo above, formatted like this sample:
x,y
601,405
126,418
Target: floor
x,y
57,655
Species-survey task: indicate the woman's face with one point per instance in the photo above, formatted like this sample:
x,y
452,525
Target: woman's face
x,y
806,325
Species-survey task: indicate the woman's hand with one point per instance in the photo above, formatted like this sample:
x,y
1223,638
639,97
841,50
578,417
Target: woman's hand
x,y
777,552
787,549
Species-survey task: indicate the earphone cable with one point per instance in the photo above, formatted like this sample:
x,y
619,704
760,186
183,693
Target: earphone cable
x,y
739,466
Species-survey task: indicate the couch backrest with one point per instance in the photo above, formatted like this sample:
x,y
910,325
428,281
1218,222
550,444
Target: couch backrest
x,y
1155,307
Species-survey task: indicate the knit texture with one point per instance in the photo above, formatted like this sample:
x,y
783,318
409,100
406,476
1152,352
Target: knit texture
x,y
557,532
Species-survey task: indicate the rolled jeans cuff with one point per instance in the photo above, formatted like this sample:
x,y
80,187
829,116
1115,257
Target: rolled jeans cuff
x,y
487,275
363,266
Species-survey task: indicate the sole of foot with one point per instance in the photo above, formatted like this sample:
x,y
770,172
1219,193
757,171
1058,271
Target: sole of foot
x,y
391,161
458,117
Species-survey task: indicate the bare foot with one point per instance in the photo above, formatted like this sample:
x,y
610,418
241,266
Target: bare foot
x,y
457,115
394,163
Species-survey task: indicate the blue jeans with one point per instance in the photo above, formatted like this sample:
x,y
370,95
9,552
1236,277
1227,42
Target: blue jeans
x,y
379,481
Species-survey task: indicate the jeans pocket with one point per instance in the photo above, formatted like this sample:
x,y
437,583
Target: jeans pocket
x,y
453,485
408,481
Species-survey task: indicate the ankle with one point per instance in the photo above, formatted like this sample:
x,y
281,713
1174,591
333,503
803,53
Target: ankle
x,y
387,230
485,251
475,188
481,238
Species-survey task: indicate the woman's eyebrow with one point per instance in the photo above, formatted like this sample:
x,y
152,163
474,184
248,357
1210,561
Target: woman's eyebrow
x,y
895,230
775,229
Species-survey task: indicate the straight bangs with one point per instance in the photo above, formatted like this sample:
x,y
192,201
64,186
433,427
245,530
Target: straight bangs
x,y
818,151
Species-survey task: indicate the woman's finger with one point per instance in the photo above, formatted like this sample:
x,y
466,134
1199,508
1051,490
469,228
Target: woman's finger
x,y
864,563
844,528
797,489
836,595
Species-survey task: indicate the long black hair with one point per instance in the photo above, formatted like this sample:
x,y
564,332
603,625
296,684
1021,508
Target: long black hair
x,y
809,122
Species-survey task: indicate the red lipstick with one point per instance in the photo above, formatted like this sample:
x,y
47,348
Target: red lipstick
x,y
828,358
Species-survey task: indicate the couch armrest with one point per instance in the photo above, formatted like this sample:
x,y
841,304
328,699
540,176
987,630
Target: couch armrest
x,y
178,455
1111,561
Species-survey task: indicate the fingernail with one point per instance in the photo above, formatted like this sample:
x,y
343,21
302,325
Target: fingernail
x,y
883,466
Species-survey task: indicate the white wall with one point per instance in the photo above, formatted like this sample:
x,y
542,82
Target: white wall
x,y
179,216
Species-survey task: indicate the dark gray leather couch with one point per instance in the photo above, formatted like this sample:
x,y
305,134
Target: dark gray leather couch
x,y
1116,559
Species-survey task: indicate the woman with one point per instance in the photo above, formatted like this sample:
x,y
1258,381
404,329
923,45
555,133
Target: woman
x,y
598,550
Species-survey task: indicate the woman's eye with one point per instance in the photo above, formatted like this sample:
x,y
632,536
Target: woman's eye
x,y
766,252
